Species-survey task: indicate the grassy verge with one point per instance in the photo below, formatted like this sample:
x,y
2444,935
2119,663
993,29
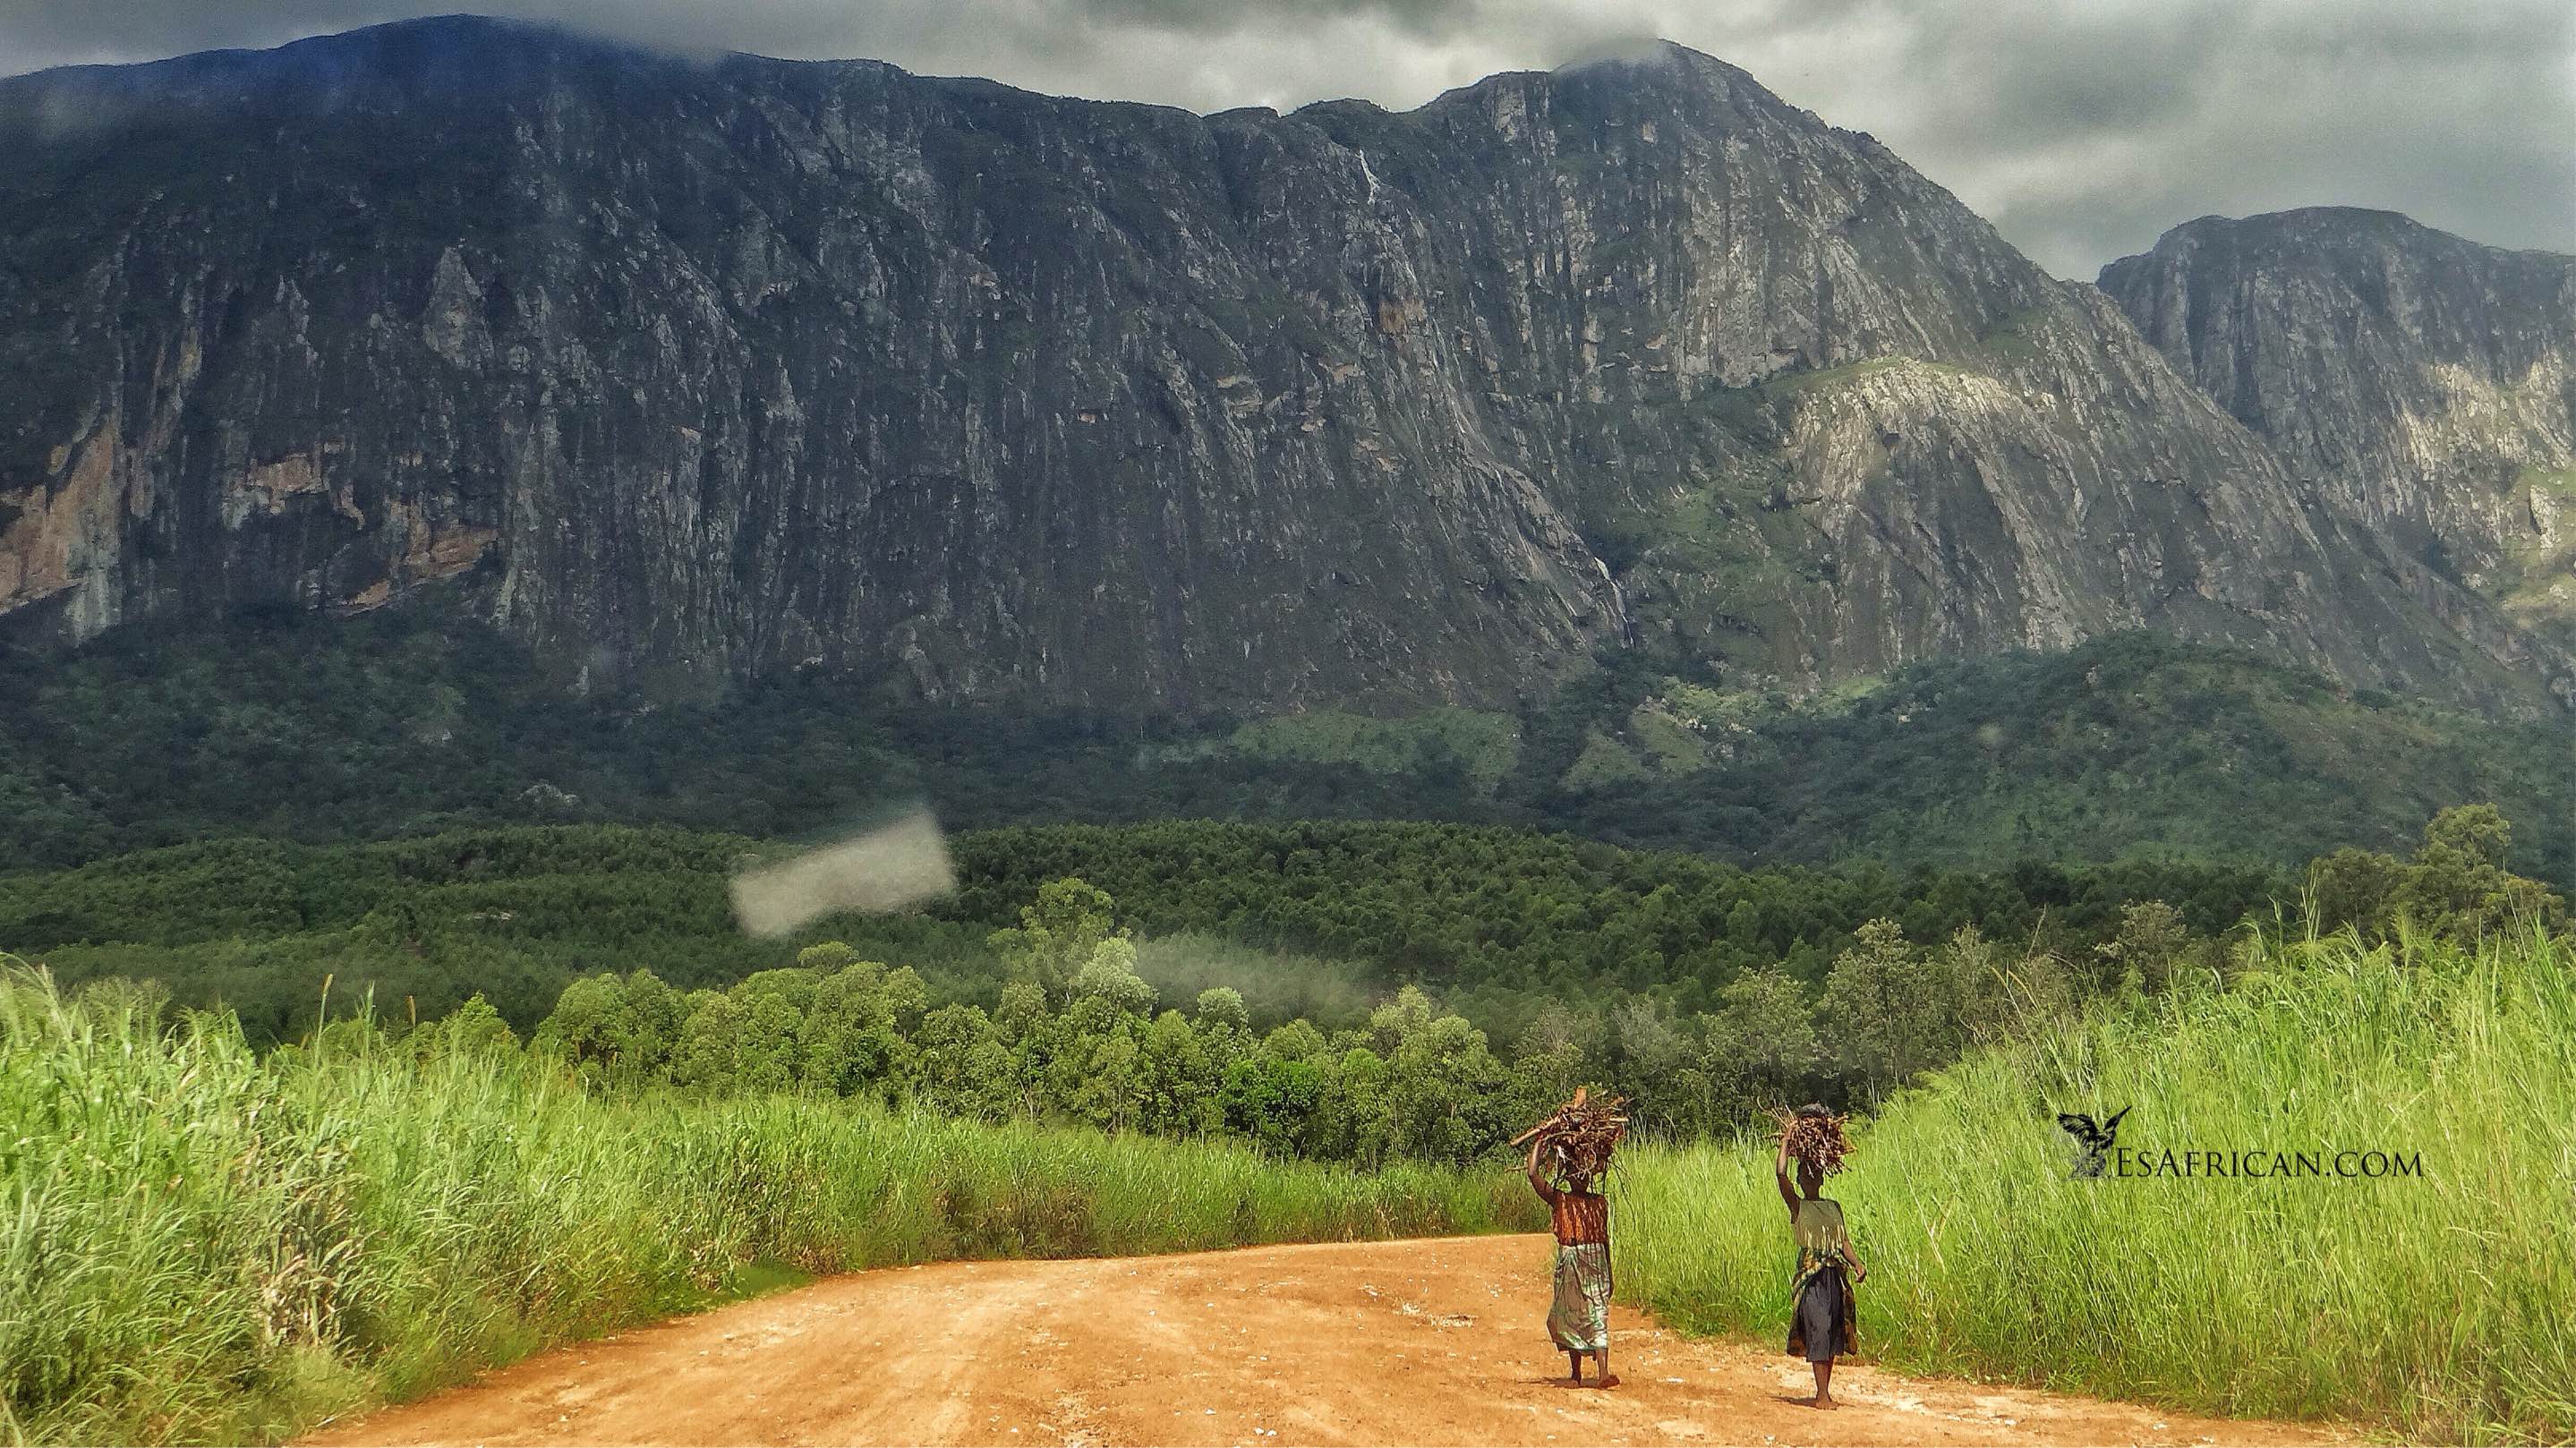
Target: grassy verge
x,y
2442,1305
200,1243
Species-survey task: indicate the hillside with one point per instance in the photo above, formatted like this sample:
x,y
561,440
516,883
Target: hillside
x,y
415,720
686,371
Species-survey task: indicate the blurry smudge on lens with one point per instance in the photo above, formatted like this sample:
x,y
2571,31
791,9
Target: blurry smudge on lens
x,y
887,868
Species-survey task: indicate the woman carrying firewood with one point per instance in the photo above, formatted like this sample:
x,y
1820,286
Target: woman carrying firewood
x,y
1576,1141
1820,1295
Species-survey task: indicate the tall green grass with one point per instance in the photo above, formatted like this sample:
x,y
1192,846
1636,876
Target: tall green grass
x,y
2442,1306
199,1243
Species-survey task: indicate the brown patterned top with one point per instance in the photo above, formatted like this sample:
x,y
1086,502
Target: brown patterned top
x,y
1578,1216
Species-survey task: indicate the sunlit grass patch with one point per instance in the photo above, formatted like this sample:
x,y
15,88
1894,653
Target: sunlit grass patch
x,y
2443,1305
201,1244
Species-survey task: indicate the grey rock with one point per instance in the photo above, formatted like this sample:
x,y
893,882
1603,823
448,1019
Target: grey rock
x,y
2423,384
682,369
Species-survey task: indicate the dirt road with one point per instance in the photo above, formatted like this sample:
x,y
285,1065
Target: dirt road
x,y
1433,1342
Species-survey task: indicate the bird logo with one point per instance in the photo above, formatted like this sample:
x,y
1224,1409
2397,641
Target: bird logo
x,y
2093,1142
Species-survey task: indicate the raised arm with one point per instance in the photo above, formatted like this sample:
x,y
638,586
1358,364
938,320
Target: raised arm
x,y
1537,1178
1780,1173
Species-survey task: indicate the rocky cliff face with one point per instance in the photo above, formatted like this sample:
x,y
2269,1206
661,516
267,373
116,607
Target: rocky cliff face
x,y
2425,385
731,366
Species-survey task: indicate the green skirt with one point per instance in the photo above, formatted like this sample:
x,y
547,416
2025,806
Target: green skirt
x,y
1579,1318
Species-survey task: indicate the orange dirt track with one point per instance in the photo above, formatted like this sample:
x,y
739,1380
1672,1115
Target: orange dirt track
x,y
1429,1342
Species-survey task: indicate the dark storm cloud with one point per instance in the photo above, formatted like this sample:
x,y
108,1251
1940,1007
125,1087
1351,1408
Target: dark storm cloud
x,y
1406,16
2083,131
2082,128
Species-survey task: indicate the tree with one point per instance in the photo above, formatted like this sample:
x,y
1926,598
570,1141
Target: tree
x,y
1654,1053
2355,888
964,1068
1110,975
649,1021
586,1029
2459,884
1558,1050
1888,1010
1224,1027
1221,1008
1096,1075
2456,885
1356,1122
1443,1093
473,1029
770,1010
1057,936
1761,1047
704,1058
852,1040
1277,1101
1181,1096
2151,946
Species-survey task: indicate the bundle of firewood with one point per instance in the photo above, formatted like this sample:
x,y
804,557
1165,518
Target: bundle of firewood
x,y
1815,1136
1583,1132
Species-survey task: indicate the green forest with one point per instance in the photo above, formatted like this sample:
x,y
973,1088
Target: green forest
x,y
1342,992
1496,920
419,720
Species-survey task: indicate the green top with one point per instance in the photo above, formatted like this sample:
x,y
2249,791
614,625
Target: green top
x,y
1820,1226
1821,1239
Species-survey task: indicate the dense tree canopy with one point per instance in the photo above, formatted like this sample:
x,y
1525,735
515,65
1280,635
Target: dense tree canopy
x,y
1487,971
278,723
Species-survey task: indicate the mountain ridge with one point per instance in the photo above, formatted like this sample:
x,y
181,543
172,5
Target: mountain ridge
x,y
720,367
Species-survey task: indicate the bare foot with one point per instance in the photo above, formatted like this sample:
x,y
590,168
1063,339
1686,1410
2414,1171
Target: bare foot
x,y
1611,1381
1826,1403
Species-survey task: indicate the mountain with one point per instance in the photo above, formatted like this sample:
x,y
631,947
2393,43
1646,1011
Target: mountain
x,y
680,369
2424,384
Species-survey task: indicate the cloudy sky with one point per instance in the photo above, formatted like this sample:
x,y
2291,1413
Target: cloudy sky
x,y
2081,128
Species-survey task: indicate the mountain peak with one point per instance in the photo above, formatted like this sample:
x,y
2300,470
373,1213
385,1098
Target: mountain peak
x,y
2313,230
2421,378
2301,223
1653,53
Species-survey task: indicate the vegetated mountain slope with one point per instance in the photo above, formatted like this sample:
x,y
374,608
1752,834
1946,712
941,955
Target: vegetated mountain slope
x,y
691,367
2425,384
412,720
2125,746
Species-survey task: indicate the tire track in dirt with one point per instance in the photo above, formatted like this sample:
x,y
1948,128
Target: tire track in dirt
x,y
1435,1341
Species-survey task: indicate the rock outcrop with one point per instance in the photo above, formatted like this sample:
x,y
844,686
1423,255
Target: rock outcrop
x,y
2424,384
689,368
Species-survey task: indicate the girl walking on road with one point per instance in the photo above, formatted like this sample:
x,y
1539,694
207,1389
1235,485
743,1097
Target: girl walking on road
x,y
1820,1295
1579,1318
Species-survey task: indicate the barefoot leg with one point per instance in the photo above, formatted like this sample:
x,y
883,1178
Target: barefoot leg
x,y
1825,1383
